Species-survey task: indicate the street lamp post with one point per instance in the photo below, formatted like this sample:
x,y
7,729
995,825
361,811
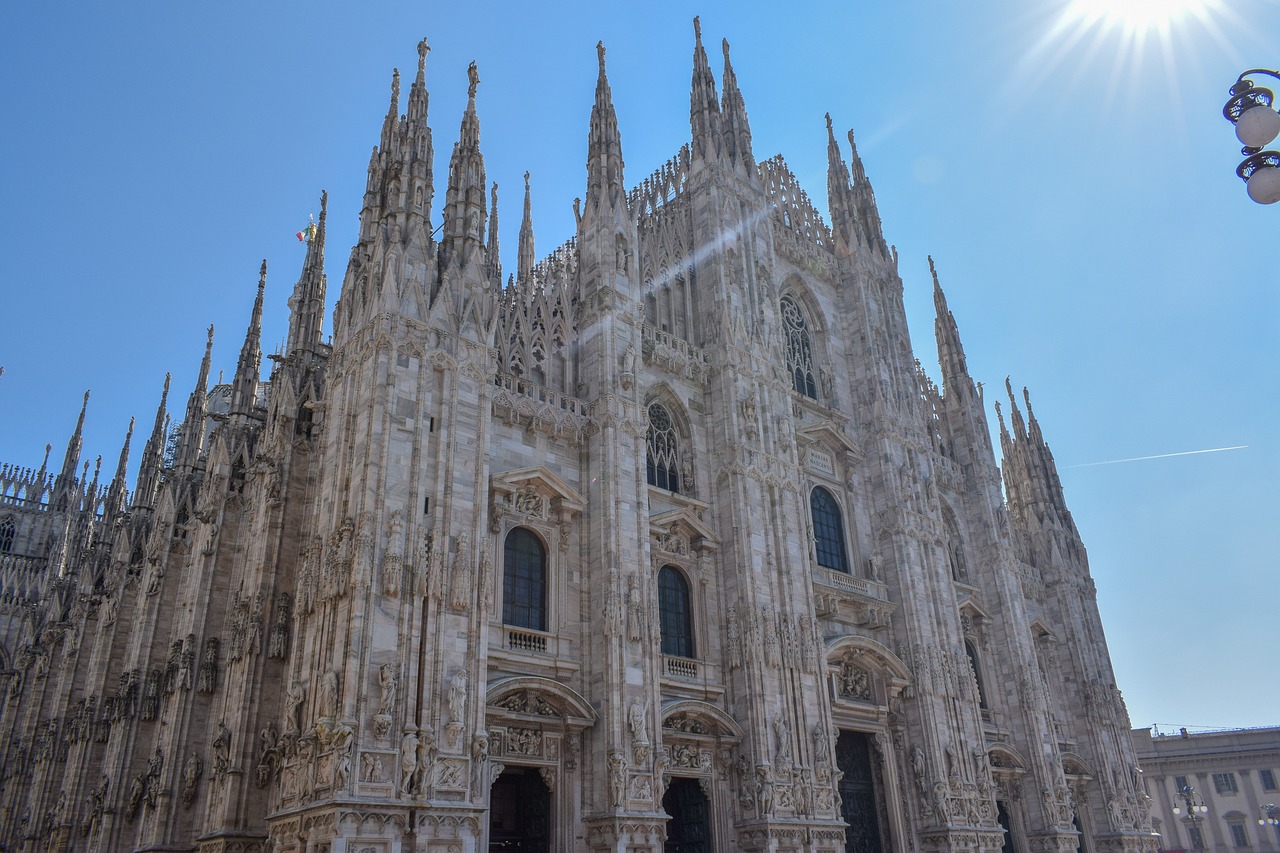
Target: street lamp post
x,y
1188,803
1251,109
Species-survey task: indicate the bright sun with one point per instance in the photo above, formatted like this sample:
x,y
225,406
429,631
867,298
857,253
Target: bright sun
x,y
1136,16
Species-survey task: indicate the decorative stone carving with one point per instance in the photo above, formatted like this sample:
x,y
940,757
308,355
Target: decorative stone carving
x,y
192,770
208,680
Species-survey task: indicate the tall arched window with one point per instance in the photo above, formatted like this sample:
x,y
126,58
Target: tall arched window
x,y
828,530
524,581
664,450
799,348
676,613
8,530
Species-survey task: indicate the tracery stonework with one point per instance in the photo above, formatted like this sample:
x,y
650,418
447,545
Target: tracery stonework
x,y
414,574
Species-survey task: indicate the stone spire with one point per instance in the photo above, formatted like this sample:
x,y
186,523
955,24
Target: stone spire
x,y
1032,484
704,107
525,257
191,433
840,202
72,457
416,113
955,371
67,476
306,304
868,212
734,125
855,220
464,206
420,151
492,251
244,387
391,122
116,492
604,147
149,468
399,185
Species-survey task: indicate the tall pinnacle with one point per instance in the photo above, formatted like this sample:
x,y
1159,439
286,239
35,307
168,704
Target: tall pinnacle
x,y
465,212
116,491
604,146
955,371
737,132
840,201
152,454
417,110
244,387
73,445
306,304
493,259
392,120
704,107
525,256
191,433
868,212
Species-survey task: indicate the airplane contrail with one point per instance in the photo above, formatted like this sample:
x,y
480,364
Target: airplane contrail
x,y
1160,456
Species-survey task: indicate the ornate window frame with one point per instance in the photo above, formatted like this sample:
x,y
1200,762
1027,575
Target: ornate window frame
x,y
539,501
681,539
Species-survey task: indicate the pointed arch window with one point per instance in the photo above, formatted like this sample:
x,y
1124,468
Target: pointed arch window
x,y
8,532
799,348
524,581
663,466
676,613
828,530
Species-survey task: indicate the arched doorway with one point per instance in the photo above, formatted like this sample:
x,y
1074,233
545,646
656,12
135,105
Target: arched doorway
x,y
858,793
520,812
689,830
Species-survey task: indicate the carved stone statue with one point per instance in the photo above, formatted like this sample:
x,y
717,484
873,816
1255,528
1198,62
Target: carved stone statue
x,y
458,696
329,694
388,682
191,772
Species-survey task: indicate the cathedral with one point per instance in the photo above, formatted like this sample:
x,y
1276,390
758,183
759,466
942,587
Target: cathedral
x,y
665,542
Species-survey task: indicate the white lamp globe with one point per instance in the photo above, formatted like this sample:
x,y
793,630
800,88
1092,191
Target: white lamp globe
x,y
1264,185
1257,126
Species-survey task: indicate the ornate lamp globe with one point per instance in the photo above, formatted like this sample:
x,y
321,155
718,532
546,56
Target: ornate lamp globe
x,y
1257,126
1264,184
1250,110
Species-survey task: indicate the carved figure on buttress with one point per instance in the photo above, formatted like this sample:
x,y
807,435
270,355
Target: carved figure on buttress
x,y
389,683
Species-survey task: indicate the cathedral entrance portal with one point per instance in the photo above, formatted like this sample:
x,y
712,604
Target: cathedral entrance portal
x,y
689,830
858,793
520,812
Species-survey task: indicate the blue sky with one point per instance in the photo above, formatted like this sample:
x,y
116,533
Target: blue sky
x,y
1073,180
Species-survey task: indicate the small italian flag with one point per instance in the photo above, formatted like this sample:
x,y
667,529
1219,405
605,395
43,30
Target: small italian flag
x,y
306,235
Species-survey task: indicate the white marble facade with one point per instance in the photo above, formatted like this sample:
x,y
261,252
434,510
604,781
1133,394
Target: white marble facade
x,y
666,541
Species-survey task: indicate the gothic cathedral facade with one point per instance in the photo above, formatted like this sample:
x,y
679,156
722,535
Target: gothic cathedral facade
x,y
666,543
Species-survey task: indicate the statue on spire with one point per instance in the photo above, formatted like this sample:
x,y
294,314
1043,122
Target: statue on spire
x,y
473,75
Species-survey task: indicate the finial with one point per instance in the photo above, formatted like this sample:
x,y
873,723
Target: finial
x,y
600,54
209,342
724,46
828,117
851,142
526,182
493,194
395,88
697,28
933,271
423,50
324,203
262,274
473,78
